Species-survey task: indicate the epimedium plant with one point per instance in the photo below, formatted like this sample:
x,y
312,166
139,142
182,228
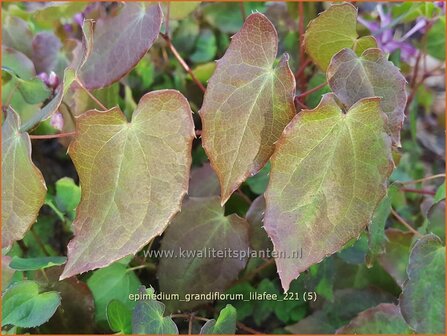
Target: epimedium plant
x,y
329,168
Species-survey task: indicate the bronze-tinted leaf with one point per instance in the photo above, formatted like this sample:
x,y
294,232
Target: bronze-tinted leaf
x,y
382,319
23,186
328,174
199,228
353,78
247,104
119,42
133,177
422,301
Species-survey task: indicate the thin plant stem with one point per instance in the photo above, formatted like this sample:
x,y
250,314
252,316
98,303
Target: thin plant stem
x,y
424,179
404,222
101,105
245,328
308,92
418,191
182,62
150,267
52,136
300,104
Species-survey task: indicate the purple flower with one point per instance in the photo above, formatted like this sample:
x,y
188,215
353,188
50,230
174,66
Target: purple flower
x,y
386,36
57,121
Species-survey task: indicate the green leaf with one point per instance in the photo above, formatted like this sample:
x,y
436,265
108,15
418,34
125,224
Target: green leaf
x,y
206,47
422,301
33,264
436,39
258,183
247,104
333,30
147,317
119,317
179,10
263,308
440,193
134,30
382,319
200,227
227,16
68,194
16,34
364,43
376,230
24,306
80,55
436,220
129,195
203,72
23,187
244,308
324,150
114,282
32,90
225,324
397,252
370,75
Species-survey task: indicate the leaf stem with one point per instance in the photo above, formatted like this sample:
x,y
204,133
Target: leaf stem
x,y
404,222
150,267
427,178
52,136
101,105
188,316
419,191
308,92
300,103
182,62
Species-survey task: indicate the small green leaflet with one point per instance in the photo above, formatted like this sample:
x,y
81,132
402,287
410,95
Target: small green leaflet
x,y
33,264
119,317
225,324
147,317
25,306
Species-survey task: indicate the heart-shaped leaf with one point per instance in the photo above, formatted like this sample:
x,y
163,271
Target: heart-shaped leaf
x,y
119,42
422,301
353,78
24,306
333,30
129,194
328,174
247,104
147,317
23,186
201,226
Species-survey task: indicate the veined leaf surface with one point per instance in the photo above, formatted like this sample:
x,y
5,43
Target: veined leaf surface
x,y
353,78
422,301
247,104
23,186
119,42
333,30
129,193
328,174
200,227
